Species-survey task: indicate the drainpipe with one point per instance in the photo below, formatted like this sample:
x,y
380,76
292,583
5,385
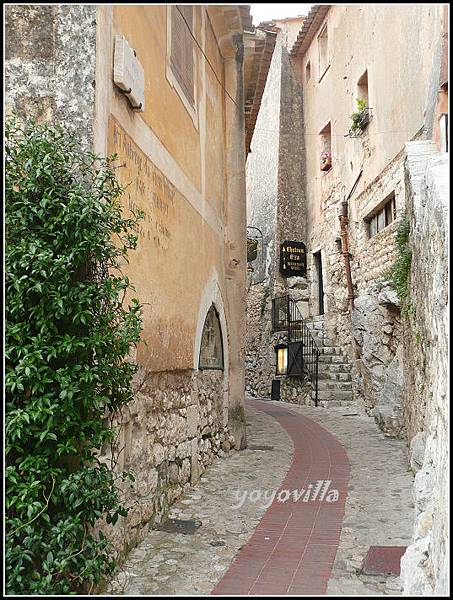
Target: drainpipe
x,y
344,221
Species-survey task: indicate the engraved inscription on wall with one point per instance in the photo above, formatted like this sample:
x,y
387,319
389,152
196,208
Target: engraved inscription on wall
x,y
147,189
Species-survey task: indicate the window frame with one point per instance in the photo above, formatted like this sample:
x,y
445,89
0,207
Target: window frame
x,y
378,220
322,69
171,73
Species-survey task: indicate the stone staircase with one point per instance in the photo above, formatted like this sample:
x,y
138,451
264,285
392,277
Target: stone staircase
x,y
334,371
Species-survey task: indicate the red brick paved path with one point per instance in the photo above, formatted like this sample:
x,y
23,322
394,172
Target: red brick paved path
x,y
294,546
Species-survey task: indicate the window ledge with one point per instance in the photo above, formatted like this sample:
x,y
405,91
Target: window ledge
x,y
324,173
387,229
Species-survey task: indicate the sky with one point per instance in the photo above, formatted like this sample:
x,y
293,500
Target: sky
x,y
267,12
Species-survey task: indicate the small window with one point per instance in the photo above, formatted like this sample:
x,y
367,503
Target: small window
x,y
326,147
211,349
362,89
383,217
181,54
323,51
308,71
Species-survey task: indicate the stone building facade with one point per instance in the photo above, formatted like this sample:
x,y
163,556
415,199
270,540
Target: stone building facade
x,y
275,206
167,88
367,171
296,124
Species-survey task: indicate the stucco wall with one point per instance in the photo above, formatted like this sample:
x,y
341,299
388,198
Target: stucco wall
x,y
186,171
401,81
177,165
181,241
398,48
262,167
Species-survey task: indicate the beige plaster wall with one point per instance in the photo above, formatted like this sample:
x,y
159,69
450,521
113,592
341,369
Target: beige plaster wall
x,y
396,47
174,165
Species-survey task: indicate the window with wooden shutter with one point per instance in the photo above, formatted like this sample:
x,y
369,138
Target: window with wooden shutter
x,y
181,54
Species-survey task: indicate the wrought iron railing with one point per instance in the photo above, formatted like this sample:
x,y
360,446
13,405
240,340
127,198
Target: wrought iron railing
x,y
303,353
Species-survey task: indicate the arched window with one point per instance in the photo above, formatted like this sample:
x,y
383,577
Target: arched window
x,y
211,349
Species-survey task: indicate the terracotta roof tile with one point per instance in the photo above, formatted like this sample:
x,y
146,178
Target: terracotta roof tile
x,y
310,27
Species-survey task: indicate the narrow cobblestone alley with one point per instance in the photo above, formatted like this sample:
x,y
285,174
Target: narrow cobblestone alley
x,y
288,448
227,304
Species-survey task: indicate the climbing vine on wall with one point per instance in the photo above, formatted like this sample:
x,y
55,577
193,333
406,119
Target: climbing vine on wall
x,y
69,331
399,274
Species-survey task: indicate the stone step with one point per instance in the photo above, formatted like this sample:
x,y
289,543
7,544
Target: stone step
x,y
315,326
330,368
341,386
334,395
332,350
318,317
328,403
337,359
327,376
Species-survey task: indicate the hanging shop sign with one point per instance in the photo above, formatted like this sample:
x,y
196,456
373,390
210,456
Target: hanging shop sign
x,y
293,259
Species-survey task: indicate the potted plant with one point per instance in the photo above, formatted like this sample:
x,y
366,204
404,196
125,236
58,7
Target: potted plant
x,y
326,160
360,118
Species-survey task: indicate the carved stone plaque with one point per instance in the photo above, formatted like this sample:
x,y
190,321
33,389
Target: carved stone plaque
x,y
128,73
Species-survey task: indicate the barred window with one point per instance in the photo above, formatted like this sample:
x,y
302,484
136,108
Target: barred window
x,y
181,54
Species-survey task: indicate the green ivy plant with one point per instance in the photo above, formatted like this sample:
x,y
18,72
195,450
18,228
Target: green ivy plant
x,y
399,273
69,331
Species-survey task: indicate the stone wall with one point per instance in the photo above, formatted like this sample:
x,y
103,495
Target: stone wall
x,y
261,360
379,382
291,205
275,204
372,257
50,62
424,567
175,426
371,335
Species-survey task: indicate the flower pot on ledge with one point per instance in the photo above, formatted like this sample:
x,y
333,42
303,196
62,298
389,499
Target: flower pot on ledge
x,y
326,163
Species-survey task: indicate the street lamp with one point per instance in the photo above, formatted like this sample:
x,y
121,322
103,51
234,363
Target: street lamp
x,y
281,351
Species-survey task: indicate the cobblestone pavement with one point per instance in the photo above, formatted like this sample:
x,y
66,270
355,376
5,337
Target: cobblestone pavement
x,y
166,563
294,546
379,506
378,509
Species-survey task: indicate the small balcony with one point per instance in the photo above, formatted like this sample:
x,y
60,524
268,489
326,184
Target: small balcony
x,y
360,122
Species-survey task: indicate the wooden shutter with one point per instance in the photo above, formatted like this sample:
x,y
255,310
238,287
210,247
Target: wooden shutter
x,y
182,48
295,359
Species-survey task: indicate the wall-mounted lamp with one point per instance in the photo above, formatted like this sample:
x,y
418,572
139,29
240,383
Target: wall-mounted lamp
x,y
281,352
